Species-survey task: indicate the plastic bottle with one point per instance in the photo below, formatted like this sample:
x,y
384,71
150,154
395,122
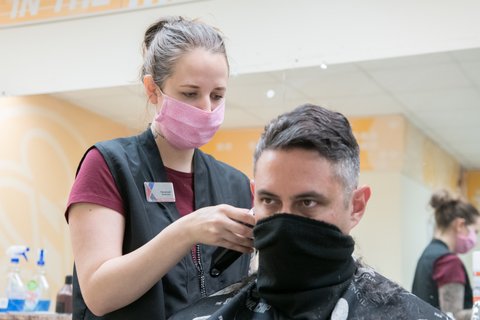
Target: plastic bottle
x,y
64,297
37,289
3,295
15,289
3,304
476,311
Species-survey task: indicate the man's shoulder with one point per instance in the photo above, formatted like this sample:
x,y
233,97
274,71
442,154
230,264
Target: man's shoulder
x,y
372,292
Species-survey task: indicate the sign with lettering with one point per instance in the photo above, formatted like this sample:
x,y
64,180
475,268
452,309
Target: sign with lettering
x,y
15,12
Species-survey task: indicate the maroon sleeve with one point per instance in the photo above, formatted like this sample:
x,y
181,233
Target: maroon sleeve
x,y
94,184
448,269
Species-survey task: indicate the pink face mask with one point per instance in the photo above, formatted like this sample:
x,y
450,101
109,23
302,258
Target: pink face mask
x,y
187,127
466,243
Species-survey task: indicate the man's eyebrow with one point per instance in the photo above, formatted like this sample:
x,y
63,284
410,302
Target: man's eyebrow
x,y
304,195
263,192
312,195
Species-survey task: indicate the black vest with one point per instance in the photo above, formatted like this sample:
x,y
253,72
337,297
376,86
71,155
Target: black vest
x,y
423,284
135,160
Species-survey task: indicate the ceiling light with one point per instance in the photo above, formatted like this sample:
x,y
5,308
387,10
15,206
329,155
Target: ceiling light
x,y
323,66
270,93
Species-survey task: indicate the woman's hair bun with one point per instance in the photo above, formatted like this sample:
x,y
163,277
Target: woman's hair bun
x,y
440,198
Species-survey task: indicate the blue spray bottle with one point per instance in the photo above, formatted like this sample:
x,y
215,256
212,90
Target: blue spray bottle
x,y
15,289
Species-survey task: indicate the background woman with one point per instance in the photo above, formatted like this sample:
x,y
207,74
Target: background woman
x,y
440,277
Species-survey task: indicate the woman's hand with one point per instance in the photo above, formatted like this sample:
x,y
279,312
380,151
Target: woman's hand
x,y
221,225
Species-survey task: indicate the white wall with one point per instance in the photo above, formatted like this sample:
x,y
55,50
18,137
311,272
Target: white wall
x,y
417,224
396,227
379,234
104,51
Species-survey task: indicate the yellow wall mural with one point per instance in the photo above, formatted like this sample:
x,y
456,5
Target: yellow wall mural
x,y
42,141
440,169
472,180
427,162
381,141
235,147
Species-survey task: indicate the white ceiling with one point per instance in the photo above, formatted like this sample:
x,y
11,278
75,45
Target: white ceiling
x,y
439,93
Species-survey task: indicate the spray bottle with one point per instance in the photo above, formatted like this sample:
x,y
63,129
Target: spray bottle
x,y
3,296
37,290
15,289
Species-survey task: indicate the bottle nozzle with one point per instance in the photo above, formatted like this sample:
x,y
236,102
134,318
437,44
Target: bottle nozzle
x,y
41,257
17,251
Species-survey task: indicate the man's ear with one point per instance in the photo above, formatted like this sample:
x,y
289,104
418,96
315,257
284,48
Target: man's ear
x,y
359,204
150,89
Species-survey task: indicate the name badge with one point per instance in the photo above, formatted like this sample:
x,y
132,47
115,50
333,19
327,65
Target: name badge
x,y
159,191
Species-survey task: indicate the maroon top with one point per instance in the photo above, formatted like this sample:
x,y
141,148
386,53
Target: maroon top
x,y
448,269
94,184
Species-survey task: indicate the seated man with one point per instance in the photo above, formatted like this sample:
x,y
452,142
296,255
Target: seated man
x,y
307,200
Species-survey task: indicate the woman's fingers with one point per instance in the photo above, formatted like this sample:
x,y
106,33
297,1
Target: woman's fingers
x,y
224,226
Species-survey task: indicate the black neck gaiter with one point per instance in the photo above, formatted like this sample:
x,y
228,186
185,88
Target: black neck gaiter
x,y
304,265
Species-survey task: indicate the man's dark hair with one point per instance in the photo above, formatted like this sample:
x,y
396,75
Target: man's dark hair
x,y
313,127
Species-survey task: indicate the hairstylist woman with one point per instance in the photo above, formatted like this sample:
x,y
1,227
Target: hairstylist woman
x,y
440,277
146,212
